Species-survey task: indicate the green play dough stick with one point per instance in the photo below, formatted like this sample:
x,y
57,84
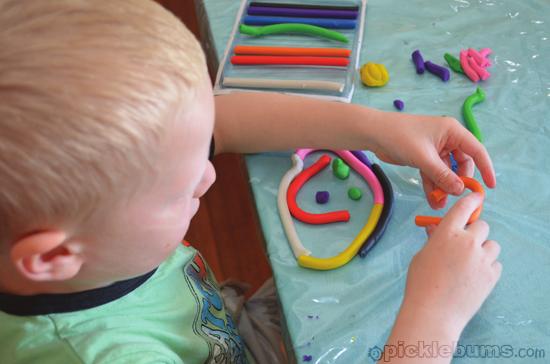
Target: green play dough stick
x,y
453,62
469,118
340,169
355,193
293,28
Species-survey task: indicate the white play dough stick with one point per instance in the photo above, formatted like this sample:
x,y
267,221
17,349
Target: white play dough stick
x,y
288,225
283,84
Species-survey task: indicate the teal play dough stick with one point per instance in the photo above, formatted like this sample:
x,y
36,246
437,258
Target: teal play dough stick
x,y
293,28
453,62
469,118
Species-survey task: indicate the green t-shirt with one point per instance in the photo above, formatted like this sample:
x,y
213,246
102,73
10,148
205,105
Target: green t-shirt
x,y
175,316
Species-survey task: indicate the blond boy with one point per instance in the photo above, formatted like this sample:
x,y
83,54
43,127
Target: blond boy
x,y
106,124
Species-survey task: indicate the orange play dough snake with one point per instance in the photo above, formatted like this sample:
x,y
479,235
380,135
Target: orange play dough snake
x,y
438,195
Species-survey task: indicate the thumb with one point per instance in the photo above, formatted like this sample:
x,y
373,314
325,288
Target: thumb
x,y
441,175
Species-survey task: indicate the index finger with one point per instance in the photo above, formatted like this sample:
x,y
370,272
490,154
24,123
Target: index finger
x,y
469,145
459,214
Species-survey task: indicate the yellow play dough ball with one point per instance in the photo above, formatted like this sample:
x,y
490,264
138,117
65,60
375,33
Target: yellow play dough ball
x,y
374,74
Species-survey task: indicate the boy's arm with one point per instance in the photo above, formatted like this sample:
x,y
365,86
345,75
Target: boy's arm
x,y
260,122
448,280
418,337
255,122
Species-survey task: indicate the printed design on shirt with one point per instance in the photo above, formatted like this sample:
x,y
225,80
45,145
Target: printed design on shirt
x,y
211,321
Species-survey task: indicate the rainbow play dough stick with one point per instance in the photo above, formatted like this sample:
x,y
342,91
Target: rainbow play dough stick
x,y
304,257
386,212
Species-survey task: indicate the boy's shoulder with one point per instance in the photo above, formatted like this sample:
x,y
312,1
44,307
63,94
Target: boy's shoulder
x,y
176,315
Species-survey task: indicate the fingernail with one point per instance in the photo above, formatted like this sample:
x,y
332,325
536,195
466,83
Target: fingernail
x,y
457,187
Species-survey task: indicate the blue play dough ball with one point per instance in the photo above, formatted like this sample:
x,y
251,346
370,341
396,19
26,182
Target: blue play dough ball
x,y
322,197
399,104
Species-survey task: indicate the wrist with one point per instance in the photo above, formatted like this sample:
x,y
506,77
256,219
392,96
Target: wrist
x,y
373,127
431,322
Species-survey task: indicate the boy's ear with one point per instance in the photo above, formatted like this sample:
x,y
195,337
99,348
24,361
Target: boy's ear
x,y
45,256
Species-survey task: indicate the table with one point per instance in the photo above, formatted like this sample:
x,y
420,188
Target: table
x,y
345,315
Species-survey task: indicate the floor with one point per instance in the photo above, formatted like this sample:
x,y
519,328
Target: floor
x,y
226,228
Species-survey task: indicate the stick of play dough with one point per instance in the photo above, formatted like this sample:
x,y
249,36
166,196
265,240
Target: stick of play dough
x,y
306,29
485,52
296,185
306,13
359,154
472,75
303,255
385,216
290,60
294,240
480,60
438,70
304,6
418,61
469,118
291,51
282,84
481,72
453,62
438,195
323,22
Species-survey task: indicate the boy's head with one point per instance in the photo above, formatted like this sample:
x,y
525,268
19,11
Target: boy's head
x,y
106,115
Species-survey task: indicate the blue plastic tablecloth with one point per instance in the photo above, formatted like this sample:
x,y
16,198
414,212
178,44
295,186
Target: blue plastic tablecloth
x,y
342,316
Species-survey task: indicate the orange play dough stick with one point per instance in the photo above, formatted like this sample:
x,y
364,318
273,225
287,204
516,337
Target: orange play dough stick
x,y
438,195
292,51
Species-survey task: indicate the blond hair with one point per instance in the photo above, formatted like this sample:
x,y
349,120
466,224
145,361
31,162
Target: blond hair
x,y
86,88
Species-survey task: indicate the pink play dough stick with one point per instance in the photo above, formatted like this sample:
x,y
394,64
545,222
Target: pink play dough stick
x,y
485,52
482,72
480,60
472,75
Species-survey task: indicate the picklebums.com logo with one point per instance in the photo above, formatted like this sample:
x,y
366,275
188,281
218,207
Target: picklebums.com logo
x,y
375,353
434,349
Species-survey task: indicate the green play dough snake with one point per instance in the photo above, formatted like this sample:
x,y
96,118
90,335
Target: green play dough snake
x,y
469,118
293,28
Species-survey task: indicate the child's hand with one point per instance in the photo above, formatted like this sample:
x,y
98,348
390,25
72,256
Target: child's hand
x,y
425,142
453,274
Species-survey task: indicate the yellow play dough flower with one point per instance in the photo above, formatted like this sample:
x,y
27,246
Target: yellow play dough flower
x,y
374,74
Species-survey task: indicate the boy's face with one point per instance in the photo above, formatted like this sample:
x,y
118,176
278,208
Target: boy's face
x,y
147,230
